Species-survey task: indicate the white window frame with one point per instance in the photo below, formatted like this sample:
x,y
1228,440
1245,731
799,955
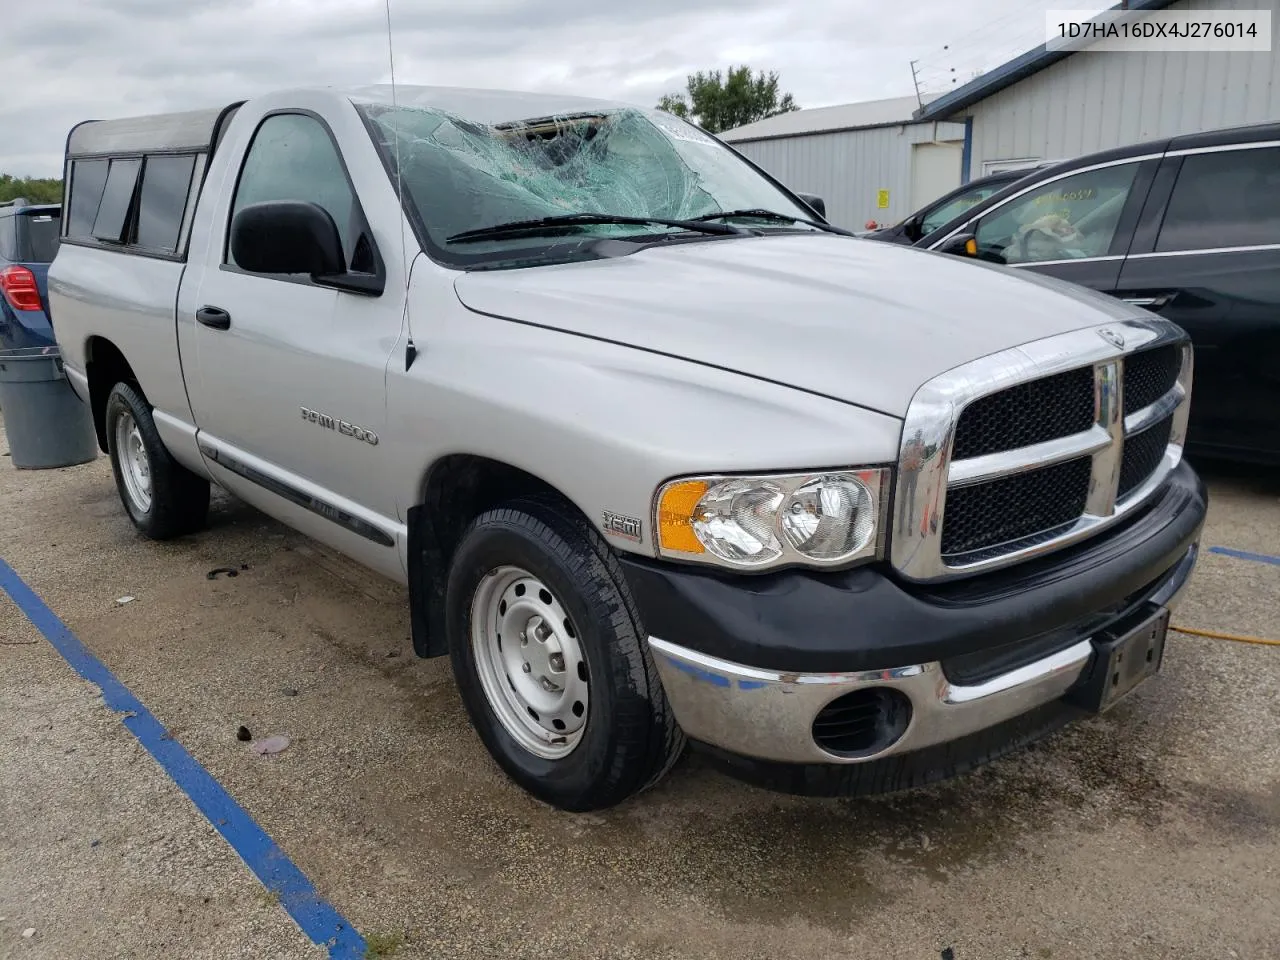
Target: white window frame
x,y
1000,166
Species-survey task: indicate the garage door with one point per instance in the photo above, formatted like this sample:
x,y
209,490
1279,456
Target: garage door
x,y
935,169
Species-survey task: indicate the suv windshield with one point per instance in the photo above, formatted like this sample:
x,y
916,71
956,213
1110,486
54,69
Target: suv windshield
x,y
957,205
463,176
38,235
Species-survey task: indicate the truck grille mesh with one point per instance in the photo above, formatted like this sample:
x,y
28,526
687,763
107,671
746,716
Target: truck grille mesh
x,y
1013,508
1149,375
1028,413
1142,454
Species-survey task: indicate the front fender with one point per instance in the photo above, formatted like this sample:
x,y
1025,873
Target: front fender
x,y
607,424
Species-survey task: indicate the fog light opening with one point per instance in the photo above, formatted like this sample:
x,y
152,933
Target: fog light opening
x,y
862,723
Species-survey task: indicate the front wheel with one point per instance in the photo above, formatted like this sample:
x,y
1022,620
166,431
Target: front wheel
x,y
163,498
551,659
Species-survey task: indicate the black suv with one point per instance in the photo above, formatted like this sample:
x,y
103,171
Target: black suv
x,y
1188,227
28,241
948,206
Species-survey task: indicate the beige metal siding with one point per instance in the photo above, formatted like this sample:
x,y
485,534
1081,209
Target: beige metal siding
x,y
1095,101
848,168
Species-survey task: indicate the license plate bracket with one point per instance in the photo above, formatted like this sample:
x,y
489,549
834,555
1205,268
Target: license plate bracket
x,y
1123,661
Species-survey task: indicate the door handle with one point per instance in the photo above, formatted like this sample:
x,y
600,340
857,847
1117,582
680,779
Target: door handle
x,y
214,317
1151,303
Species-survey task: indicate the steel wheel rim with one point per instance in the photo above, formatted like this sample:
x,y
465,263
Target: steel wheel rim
x,y
530,662
135,465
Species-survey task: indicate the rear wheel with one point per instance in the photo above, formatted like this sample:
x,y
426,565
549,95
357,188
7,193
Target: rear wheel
x,y
551,659
163,498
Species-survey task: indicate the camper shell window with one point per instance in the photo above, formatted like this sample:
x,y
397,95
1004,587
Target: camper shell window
x,y
117,201
138,204
132,183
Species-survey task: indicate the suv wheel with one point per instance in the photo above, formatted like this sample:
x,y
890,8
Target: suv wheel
x,y
550,659
163,498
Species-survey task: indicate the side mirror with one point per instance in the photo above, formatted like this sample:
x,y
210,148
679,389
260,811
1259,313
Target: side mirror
x,y
816,202
962,244
287,236
913,228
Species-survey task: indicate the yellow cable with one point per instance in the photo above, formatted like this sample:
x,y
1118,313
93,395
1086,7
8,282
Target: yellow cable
x,y
1228,636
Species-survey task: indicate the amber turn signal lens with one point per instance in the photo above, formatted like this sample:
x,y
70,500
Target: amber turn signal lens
x,y
971,247
675,516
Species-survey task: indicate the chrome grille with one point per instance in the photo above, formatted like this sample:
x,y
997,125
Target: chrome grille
x,y
1008,456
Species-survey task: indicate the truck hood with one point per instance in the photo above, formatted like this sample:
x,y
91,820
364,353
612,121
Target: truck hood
x,y
863,322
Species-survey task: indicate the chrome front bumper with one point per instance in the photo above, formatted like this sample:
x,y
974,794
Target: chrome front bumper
x,y
769,714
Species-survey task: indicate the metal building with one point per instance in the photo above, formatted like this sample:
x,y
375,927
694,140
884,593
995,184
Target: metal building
x,y
884,159
1052,105
866,160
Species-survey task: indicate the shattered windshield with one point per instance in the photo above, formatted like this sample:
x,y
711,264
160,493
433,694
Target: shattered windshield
x,y
463,176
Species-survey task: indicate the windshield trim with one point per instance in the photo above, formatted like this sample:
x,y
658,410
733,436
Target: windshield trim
x,y
452,258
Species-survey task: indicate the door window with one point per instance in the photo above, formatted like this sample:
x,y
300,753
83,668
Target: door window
x,y
1224,199
293,158
1067,219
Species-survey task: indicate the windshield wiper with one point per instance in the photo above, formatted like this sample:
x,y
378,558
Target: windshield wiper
x,y
586,219
759,214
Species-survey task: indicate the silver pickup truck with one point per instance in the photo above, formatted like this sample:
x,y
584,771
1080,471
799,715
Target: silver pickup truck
x,y
659,453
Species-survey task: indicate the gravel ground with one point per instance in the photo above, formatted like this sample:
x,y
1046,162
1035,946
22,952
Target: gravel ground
x,y
1152,832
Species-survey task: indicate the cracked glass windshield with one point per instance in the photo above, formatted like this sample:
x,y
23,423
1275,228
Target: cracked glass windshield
x,y
465,176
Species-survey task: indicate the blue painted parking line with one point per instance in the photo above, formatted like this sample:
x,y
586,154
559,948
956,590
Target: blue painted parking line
x,y
1246,555
316,918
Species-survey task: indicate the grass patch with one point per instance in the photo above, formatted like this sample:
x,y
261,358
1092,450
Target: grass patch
x,y
268,898
378,946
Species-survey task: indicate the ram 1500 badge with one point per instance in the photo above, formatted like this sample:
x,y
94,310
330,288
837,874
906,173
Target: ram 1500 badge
x,y
342,426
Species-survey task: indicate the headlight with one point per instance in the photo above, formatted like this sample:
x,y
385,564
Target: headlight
x,y
817,519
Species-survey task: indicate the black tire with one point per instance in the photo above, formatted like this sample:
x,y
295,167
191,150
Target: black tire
x,y
631,738
179,499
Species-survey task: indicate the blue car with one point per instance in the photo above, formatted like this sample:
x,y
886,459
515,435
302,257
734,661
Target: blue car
x,y
28,241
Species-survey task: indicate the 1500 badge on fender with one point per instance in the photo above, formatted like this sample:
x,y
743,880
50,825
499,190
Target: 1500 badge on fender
x,y
342,426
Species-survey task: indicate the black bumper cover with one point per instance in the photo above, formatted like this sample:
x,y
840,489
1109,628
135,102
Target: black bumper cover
x,y
865,619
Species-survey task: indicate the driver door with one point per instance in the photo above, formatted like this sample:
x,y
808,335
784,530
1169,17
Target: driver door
x,y
1076,226
287,380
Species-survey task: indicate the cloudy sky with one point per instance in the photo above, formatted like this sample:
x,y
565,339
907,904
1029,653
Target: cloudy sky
x,y
70,60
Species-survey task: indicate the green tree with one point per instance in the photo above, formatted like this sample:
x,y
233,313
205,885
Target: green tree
x,y
717,102
35,189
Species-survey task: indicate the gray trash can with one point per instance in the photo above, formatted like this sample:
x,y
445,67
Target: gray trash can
x,y
46,423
